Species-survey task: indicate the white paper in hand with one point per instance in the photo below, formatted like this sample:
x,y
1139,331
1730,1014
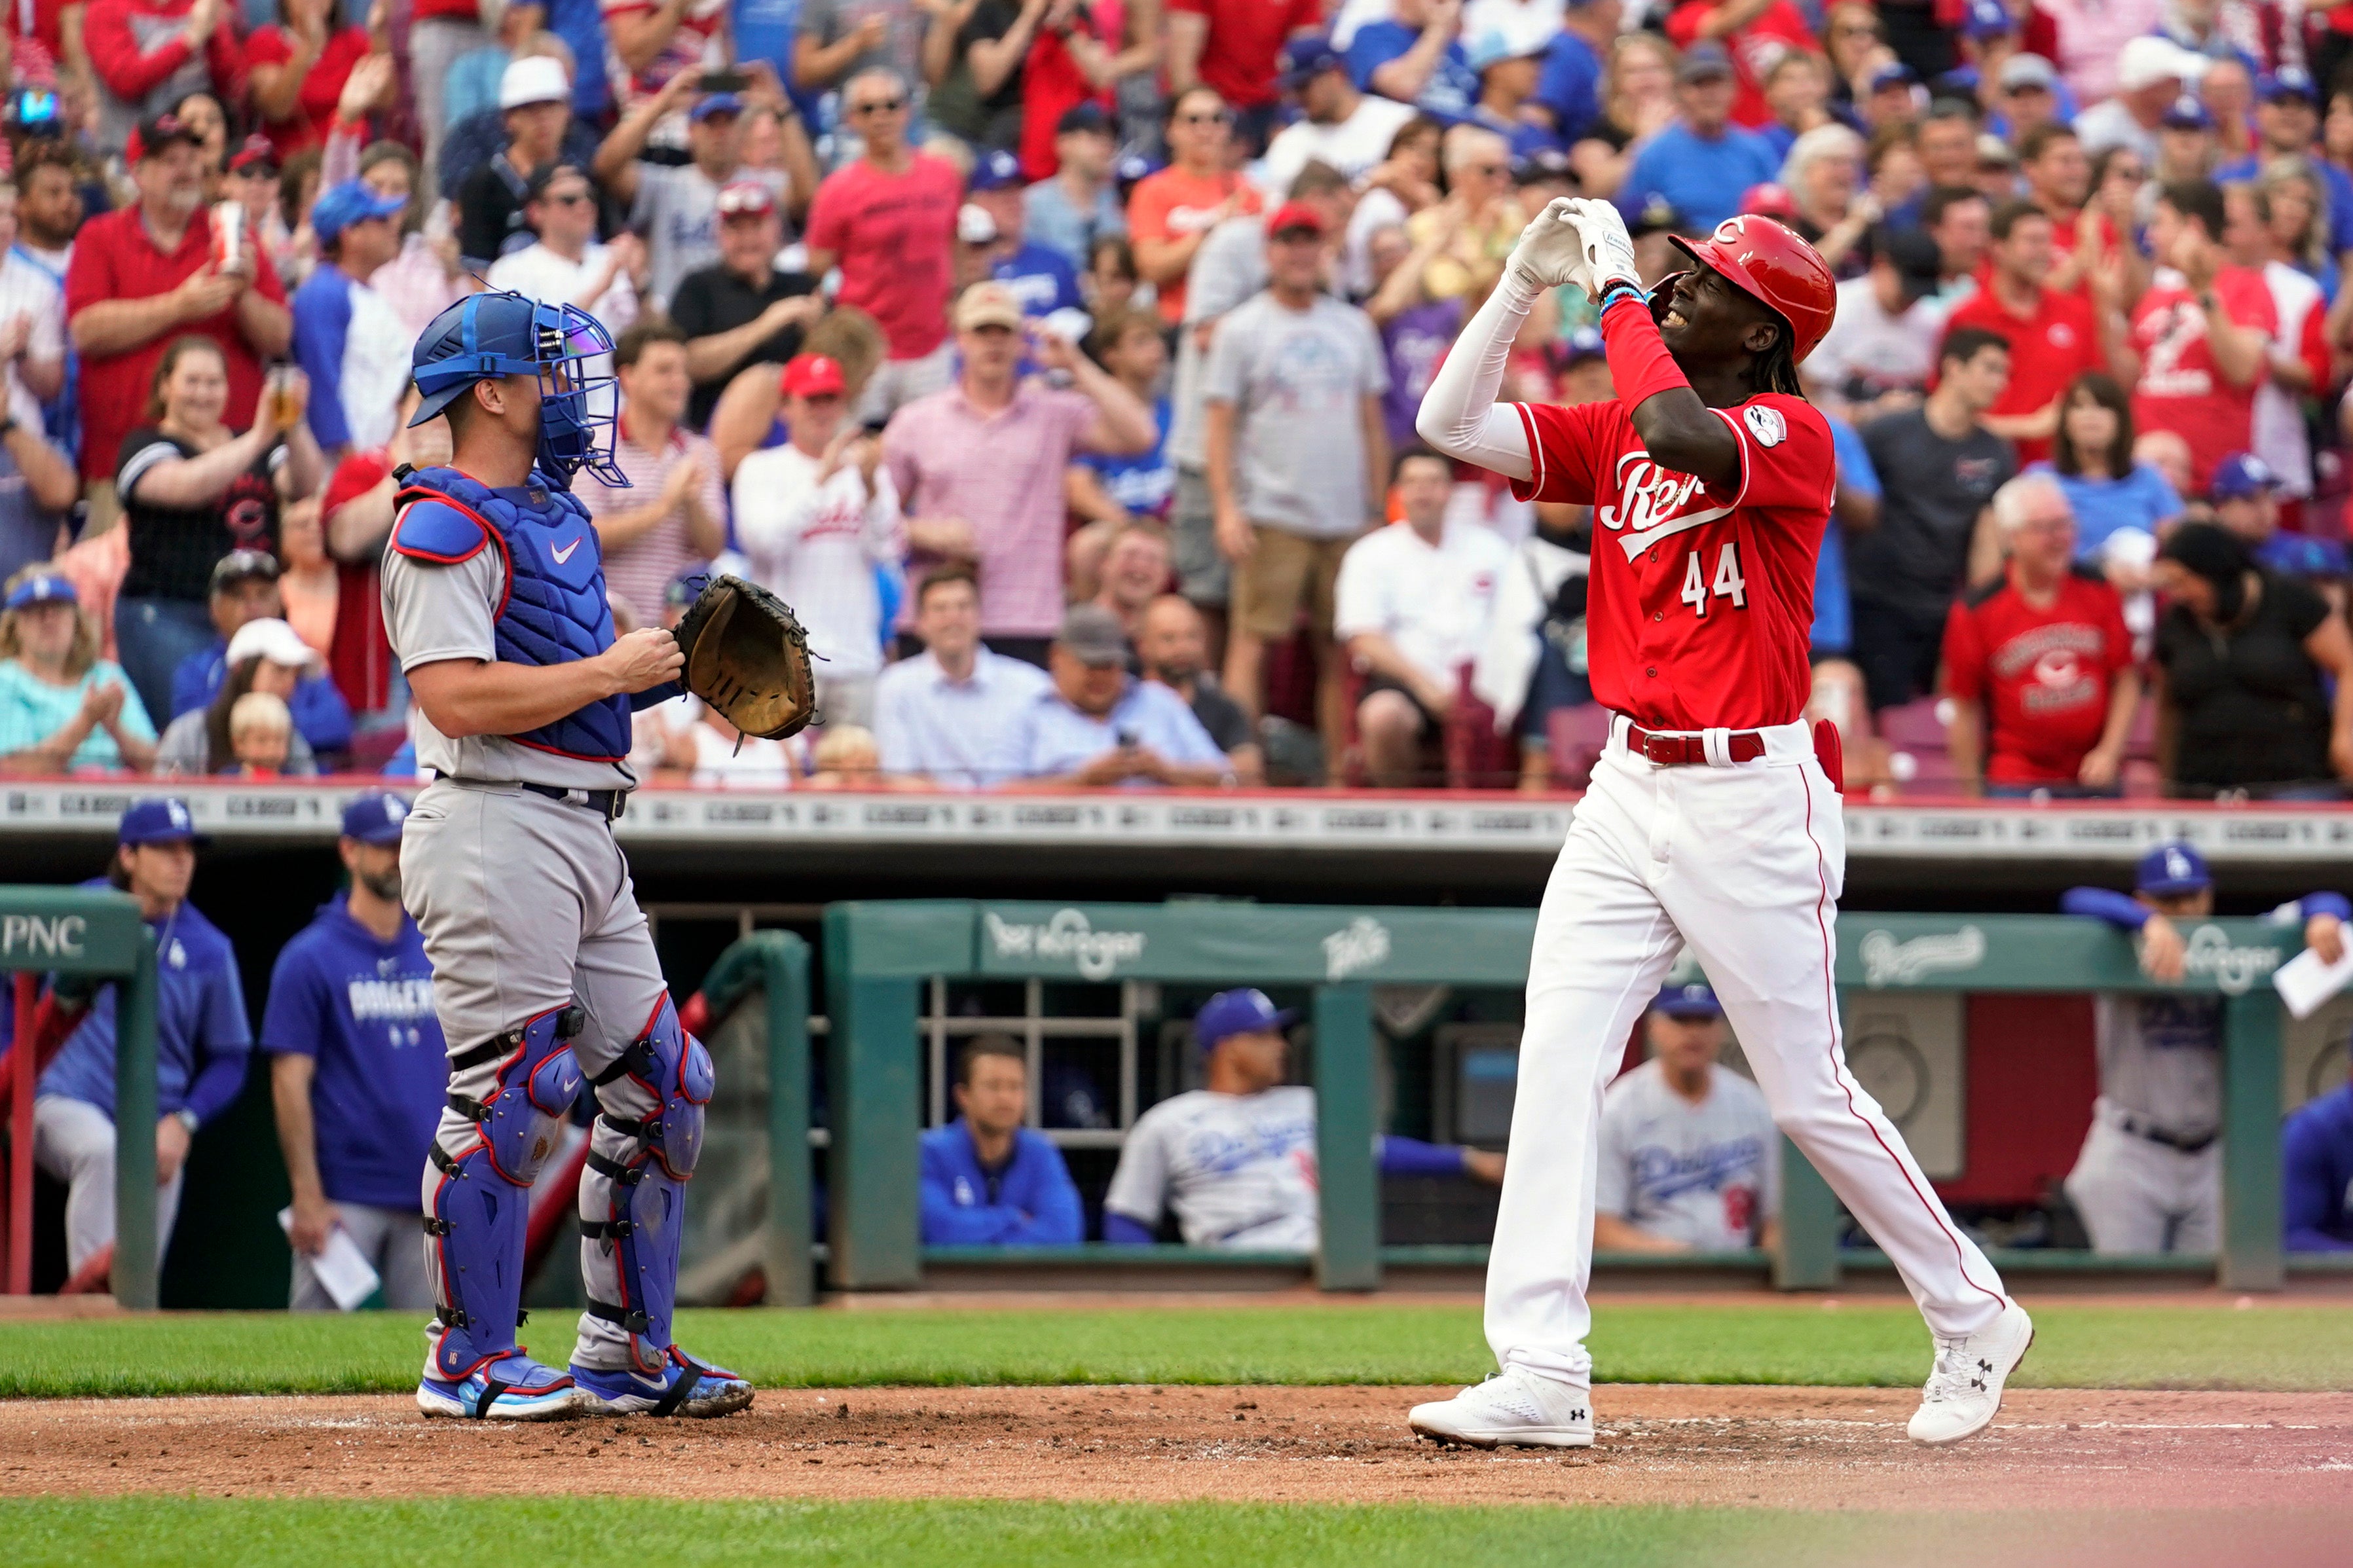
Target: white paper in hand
x,y
347,1276
2304,982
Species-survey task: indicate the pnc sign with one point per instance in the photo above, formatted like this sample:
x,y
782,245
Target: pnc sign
x,y
42,937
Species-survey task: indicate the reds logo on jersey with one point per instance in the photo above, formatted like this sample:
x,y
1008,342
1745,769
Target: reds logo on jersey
x,y
1651,502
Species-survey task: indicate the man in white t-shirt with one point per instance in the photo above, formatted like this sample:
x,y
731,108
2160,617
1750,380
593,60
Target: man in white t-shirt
x,y
1881,349
1236,1158
1338,125
1690,1159
817,516
1412,607
569,266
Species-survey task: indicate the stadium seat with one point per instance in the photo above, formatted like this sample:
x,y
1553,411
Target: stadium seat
x,y
1575,737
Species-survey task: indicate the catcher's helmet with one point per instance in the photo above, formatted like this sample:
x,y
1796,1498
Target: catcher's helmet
x,y
495,334
1772,265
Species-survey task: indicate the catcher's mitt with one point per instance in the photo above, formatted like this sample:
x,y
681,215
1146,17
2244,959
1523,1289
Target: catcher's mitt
x,y
747,657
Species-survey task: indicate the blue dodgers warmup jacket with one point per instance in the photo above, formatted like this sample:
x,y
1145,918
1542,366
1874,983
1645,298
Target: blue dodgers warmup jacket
x,y
1029,1203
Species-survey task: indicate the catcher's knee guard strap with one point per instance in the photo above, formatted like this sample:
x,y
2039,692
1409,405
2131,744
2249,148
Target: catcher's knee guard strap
x,y
633,1195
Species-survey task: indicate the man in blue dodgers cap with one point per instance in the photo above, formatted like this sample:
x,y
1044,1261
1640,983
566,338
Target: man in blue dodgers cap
x,y
357,1067
1690,1162
2149,1178
543,971
202,1039
1235,1159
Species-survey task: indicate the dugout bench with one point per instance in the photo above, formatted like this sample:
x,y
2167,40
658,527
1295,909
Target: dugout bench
x,y
880,957
84,933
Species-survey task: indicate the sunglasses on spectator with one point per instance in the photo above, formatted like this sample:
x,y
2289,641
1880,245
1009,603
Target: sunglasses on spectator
x,y
881,106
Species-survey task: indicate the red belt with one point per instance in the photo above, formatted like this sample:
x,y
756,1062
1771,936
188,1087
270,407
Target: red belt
x,y
1665,751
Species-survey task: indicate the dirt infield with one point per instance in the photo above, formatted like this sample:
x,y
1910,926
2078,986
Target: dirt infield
x,y
1790,1447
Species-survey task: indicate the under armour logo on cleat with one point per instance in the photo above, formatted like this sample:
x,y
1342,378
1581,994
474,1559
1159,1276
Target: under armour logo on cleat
x,y
1984,1366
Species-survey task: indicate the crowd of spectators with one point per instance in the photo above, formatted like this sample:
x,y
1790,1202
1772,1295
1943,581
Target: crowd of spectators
x,y
1059,363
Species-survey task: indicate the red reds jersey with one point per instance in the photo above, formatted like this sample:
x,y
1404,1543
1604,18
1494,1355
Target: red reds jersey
x,y
2043,674
1701,603
2181,387
2048,350
1756,46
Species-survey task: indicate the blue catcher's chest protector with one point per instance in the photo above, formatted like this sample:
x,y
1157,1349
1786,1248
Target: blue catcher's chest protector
x,y
555,611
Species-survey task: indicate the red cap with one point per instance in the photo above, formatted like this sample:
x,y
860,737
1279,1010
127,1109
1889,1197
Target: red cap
x,y
353,478
740,198
1296,215
814,375
1771,199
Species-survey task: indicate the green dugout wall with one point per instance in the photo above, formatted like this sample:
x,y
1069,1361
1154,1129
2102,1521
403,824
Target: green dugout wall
x,y
879,955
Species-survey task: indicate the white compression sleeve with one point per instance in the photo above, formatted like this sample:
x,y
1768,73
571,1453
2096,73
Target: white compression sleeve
x,y
1459,414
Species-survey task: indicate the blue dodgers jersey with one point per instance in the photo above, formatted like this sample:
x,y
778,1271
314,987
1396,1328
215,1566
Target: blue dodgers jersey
x,y
363,1009
960,1209
199,1014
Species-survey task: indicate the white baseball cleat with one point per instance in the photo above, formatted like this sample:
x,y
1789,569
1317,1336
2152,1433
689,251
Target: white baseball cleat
x,y
1515,1408
1964,1385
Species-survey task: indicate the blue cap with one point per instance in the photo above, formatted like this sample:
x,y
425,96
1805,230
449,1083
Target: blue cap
x,y
2171,869
375,818
42,588
1987,19
717,103
2288,81
1961,81
2240,476
1894,73
355,201
1135,166
1694,1001
159,819
995,171
1243,1012
2187,114
1584,343
1307,57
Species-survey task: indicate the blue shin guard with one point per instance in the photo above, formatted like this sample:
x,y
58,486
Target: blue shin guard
x,y
647,1136
508,1098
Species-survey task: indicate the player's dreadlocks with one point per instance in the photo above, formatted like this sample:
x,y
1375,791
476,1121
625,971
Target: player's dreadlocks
x,y
1775,370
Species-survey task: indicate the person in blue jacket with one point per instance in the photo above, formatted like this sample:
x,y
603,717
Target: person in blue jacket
x,y
2149,1178
202,1039
2316,1173
988,1181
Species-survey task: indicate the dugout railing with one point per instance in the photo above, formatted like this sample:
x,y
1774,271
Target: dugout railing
x,y
881,959
93,937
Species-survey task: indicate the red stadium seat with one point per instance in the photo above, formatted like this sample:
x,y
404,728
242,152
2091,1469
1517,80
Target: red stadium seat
x,y
1575,737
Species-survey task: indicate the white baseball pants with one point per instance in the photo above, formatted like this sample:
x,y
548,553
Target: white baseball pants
x,y
1744,862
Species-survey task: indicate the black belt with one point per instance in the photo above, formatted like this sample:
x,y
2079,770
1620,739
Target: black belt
x,y
2156,1134
608,803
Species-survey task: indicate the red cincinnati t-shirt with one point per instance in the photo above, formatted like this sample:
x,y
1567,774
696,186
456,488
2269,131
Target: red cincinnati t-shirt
x,y
2042,675
1756,46
2181,389
1245,41
2048,350
890,232
322,84
1700,603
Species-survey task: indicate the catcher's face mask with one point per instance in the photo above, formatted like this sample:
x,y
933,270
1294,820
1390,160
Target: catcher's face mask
x,y
565,348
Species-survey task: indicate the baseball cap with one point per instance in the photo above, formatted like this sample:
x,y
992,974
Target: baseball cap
x,y
987,304
1693,1001
1308,56
42,588
2022,73
269,638
158,819
354,201
1987,19
256,153
1497,45
2149,59
1917,260
2288,81
556,170
151,135
1707,60
2240,475
745,198
686,587
1136,167
974,226
813,375
995,171
1544,164
243,566
2186,113
534,78
717,103
1092,636
1087,116
1894,73
1657,215
2171,869
1247,1011
1961,82
1770,199
1993,153
1296,215
375,818
1582,344
2302,555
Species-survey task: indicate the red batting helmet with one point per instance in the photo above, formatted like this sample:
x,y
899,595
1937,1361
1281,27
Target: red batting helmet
x,y
1771,264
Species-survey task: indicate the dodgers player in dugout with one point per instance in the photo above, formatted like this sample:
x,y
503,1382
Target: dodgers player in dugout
x,y
543,972
2149,1178
357,1067
1711,821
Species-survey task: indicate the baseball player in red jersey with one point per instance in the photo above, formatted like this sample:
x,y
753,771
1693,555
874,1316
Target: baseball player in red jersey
x,y
1711,821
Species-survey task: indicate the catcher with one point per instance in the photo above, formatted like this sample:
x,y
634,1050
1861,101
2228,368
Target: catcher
x,y
543,973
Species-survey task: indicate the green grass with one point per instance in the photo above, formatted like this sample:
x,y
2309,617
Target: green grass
x,y
2286,1348
186,1532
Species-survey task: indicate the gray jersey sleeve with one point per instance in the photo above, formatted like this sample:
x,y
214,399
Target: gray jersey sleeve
x,y
1139,1188
433,612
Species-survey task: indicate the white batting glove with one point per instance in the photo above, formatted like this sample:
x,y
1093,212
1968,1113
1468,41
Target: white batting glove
x,y
1551,252
1608,249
